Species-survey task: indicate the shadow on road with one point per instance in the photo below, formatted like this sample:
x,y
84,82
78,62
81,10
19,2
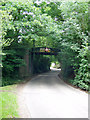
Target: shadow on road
x,y
49,79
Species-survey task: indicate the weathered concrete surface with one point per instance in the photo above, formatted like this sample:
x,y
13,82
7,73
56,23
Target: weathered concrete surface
x,y
46,96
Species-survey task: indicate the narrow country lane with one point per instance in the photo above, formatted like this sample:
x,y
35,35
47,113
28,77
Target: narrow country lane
x,y
46,96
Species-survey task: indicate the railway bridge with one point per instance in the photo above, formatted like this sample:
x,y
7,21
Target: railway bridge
x,y
29,58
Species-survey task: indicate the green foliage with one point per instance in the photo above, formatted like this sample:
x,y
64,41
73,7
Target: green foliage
x,y
42,65
21,24
62,25
50,8
78,10
82,78
74,56
12,60
10,80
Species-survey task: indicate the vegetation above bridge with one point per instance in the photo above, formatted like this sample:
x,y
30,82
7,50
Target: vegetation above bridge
x,y
62,25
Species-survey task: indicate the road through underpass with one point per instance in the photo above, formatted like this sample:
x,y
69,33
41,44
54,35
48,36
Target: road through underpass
x,y
47,96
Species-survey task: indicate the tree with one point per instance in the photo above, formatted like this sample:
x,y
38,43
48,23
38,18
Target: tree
x,y
62,25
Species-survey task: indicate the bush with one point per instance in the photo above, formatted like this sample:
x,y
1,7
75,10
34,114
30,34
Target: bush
x,y
41,64
12,61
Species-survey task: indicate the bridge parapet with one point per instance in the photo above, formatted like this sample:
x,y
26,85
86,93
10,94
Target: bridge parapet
x,y
45,51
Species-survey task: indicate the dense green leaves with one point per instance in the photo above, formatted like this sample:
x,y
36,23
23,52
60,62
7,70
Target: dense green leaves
x,y
63,25
43,64
74,58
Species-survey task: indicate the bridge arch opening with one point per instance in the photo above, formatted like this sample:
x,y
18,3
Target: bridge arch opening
x,y
42,58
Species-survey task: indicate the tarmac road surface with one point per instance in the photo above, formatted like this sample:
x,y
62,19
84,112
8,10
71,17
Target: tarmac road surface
x,y
47,96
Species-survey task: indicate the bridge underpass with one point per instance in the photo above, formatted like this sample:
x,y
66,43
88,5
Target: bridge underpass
x,y
41,51
30,55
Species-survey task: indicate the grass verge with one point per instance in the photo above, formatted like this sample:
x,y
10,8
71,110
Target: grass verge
x,y
8,102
